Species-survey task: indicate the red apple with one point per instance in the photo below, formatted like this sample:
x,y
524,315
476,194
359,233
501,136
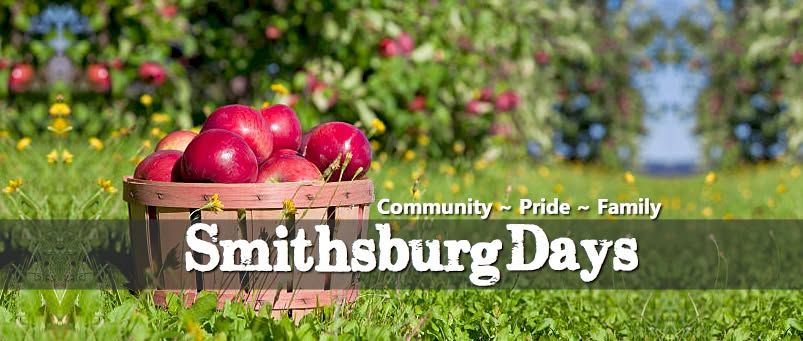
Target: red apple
x,y
507,101
542,57
20,77
284,126
152,72
476,107
168,11
389,48
281,153
162,165
272,32
288,168
419,103
218,155
331,140
177,140
797,57
405,43
99,77
246,122
304,139
117,64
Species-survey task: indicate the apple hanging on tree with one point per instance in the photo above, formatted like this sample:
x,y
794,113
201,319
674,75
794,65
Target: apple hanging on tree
x,y
99,77
152,73
20,77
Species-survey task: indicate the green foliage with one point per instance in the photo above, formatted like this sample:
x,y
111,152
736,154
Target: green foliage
x,y
751,109
328,54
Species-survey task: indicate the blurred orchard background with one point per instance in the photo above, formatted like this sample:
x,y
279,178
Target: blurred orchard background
x,y
571,80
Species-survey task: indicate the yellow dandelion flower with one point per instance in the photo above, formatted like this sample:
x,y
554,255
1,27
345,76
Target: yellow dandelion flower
x,y
375,145
146,100
521,189
794,172
497,206
388,185
378,126
468,179
279,89
23,143
59,109
106,185
213,204
728,216
375,166
66,156
123,131
558,188
265,104
409,155
423,140
289,207
781,188
416,174
194,329
53,156
95,143
629,178
455,188
450,170
458,147
675,203
13,185
770,202
416,195
156,132
480,164
4,134
707,212
710,178
159,118
147,144
543,171
60,126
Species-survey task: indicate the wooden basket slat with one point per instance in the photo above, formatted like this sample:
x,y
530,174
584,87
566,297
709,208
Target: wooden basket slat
x,y
348,227
138,232
161,205
262,224
216,279
169,228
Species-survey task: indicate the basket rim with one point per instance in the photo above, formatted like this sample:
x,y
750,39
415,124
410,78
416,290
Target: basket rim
x,y
248,195
131,180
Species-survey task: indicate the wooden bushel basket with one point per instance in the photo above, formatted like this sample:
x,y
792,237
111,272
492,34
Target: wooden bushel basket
x,y
161,212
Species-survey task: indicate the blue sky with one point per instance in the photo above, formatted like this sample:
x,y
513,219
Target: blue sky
x,y
670,91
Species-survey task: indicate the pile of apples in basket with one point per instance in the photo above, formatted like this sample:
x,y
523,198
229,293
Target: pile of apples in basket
x,y
239,144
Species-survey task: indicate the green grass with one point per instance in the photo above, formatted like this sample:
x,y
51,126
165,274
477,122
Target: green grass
x,y
57,191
